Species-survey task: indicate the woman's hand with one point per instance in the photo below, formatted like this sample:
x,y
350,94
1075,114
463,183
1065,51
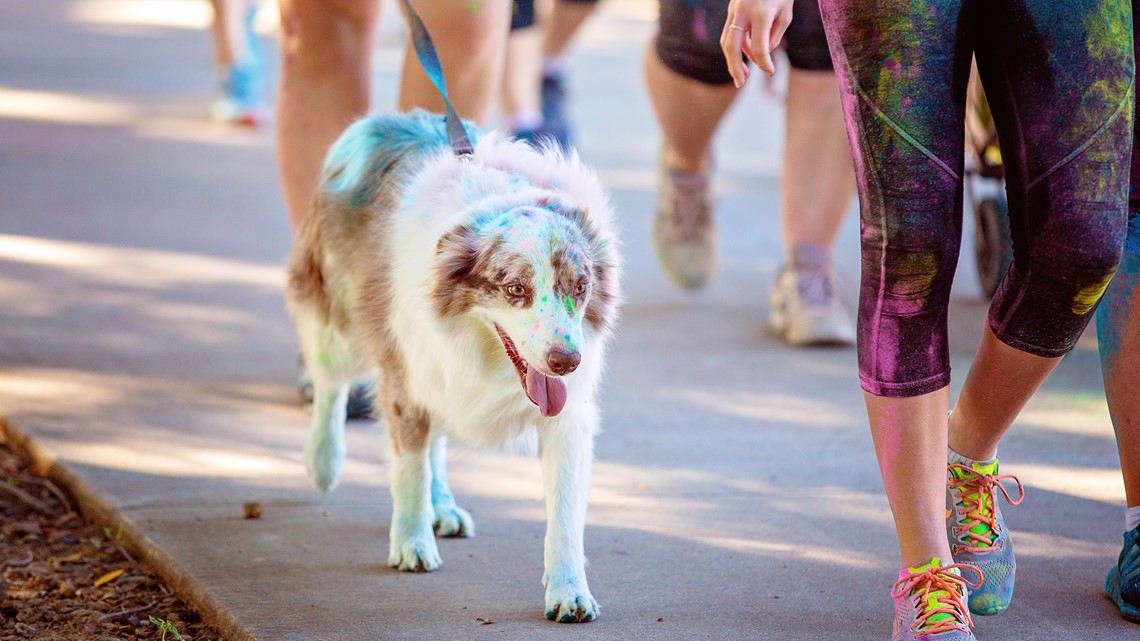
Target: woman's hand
x,y
754,28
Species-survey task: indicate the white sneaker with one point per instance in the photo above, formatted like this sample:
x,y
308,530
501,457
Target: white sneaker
x,y
683,231
806,309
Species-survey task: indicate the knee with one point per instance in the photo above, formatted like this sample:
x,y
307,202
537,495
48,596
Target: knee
x,y
320,37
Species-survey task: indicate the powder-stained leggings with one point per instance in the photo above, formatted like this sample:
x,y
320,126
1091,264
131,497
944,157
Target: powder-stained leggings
x,y
1058,75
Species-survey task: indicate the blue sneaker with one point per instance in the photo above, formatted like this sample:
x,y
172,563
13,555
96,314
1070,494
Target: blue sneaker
x,y
1123,581
240,100
241,94
977,532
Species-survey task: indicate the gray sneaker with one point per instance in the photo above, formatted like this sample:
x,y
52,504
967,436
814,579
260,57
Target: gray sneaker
x,y
806,310
977,532
683,231
930,603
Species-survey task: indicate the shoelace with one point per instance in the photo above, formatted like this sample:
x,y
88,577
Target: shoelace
x,y
691,213
980,510
814,285
946,588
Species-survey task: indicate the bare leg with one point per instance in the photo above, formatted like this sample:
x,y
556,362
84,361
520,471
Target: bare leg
x,y
819,179
228,32
1000,382
522,78
325,54
472,59
565,20
688,111
1118,331
910,444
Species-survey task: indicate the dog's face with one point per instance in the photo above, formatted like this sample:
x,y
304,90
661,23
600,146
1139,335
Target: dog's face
x,y
536,276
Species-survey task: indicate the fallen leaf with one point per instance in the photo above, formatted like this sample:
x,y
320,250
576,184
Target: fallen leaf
x,y
251,510
660,619
108,577
486,621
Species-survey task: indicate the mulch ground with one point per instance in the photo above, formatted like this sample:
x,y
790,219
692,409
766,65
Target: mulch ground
x,y
62,578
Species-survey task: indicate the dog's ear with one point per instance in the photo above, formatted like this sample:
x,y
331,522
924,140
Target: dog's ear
x,y
456,254
456,264
601,309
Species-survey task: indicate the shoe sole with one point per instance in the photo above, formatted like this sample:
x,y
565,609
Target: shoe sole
x,y
1112,589
779,326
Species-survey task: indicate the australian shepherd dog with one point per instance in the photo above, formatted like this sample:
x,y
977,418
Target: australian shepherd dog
x,y
481,291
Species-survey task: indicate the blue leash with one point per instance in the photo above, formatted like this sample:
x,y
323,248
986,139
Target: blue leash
x,y
457,133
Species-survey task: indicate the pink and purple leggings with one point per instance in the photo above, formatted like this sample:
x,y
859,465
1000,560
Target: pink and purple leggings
x,y
1058,75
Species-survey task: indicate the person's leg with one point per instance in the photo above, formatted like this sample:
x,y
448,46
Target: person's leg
x,y
471,55
326,48
237,64
1000,381
566,17
1065,147
1118,339
1118,333
691,91
818,181
521,99
816,189
817,185
689,113
227,33
904,120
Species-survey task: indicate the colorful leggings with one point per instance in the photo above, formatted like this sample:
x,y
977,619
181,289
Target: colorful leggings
x,y
1059,79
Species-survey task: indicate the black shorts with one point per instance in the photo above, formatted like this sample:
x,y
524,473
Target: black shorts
x,y
688,39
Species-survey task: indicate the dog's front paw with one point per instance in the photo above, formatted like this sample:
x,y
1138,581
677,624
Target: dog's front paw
x,y
452,521
324,461
570,602
415,554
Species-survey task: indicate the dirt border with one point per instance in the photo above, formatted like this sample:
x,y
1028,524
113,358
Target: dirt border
x,y
95,507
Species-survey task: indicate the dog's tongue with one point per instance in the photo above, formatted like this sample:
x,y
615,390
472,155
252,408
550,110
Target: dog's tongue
x,y
547,392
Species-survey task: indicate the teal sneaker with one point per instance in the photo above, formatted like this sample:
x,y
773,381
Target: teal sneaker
x,y
977,532
930,603
241,87
1123,581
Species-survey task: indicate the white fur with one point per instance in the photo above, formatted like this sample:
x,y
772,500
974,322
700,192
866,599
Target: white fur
x,y
457,369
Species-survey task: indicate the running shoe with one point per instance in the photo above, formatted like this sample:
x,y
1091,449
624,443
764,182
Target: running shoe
x,y
805,309
555,122
683,231
241,94
240,99
1123,581
977,532
929,603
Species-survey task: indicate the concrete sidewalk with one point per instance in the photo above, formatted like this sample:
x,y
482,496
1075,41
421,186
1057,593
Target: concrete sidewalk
x,y
144,349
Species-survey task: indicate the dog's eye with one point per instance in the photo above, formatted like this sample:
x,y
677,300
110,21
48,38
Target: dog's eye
x,y
515,289
580,288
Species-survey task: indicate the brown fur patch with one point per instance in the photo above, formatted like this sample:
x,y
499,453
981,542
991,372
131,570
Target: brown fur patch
x,y
602,306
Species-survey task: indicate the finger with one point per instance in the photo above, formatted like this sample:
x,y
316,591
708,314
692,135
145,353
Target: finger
x,y
761,51
779,27
732,43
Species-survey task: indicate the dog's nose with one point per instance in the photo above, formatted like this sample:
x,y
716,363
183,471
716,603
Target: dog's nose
x,y
562,362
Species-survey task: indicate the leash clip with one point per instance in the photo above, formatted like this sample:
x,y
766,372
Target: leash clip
x,y
457,134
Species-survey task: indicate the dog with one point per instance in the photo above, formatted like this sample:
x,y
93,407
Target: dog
x,y
482,292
